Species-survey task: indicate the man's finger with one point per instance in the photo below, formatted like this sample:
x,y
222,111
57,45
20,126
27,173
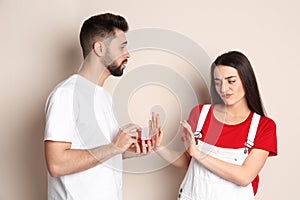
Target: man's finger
x,y
130,127
137,148
144,147
149,146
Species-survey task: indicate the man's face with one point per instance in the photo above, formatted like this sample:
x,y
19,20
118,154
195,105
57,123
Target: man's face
x,y
116,56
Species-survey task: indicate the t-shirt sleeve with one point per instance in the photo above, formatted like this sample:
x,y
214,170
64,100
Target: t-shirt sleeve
x,y
266,138
193,117
60,125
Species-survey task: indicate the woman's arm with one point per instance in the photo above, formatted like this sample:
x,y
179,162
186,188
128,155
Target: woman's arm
x,y
240,175
177,159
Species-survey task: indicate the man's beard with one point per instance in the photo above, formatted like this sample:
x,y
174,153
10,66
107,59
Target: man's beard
x,y
116,70
113,67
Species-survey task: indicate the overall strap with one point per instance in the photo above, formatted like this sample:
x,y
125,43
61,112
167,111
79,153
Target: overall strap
x,y
201,120
252,131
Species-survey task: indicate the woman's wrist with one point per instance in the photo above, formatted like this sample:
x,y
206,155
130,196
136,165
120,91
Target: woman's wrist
x,y
195,152
158,148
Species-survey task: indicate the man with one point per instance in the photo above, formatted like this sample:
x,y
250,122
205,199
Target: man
x,y
83,143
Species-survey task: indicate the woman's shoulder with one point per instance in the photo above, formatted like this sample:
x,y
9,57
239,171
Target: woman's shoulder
x,y
199,107
266,137
267,122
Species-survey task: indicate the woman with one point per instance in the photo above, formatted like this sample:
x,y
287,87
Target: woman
x,y
227,143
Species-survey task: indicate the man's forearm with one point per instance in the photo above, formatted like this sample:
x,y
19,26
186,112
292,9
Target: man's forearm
x,y
69,161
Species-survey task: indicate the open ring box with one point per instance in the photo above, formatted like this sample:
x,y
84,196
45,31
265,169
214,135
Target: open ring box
x,y
143,136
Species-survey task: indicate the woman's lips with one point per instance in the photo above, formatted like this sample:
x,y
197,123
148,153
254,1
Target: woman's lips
x,y
226,96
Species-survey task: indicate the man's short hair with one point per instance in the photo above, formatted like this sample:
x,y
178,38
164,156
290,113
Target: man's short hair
x,y
99,27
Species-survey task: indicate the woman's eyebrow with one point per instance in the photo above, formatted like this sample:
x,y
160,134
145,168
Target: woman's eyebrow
x,y
228,77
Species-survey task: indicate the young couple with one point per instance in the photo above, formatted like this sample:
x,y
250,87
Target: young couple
x,y
227,143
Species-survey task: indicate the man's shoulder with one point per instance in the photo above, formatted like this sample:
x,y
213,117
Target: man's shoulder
x,y
67,84
63,90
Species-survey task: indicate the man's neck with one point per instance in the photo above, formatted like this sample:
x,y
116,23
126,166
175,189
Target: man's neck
x,y
94,71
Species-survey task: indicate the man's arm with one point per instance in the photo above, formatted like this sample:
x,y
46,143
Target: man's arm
x,y
62,160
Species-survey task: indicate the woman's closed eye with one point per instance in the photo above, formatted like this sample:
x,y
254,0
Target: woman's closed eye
x,y
231,81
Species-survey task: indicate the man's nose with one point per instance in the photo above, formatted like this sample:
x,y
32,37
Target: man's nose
x,y
127,55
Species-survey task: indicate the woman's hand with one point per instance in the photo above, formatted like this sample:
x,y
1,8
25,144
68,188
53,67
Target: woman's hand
x,y
157,140
188,139
178,159
155,131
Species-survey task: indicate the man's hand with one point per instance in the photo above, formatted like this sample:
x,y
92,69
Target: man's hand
x,y
126,138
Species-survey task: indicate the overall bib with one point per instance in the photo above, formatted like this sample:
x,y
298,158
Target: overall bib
x,y
201,184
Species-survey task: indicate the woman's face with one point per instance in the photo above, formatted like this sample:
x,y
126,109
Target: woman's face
x,y
228,85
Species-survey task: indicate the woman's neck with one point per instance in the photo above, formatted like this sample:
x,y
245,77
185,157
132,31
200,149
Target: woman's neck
x,y
232,114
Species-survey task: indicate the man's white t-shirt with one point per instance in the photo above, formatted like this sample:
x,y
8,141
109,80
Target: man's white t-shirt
x,y
81,112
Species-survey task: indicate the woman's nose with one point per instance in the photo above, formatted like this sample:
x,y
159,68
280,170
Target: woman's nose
x,y
224,87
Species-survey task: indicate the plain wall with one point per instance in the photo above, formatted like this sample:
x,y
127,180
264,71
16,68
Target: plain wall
x,y
39,47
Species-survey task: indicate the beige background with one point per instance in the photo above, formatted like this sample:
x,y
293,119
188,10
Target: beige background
x,y
39,48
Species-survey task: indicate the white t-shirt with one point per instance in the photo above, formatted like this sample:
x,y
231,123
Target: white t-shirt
x,y
81,112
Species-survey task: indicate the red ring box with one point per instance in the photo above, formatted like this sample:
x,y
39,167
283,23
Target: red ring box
x,y
140,138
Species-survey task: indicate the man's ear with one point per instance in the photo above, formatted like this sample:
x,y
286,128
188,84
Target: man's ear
x,y
99,48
